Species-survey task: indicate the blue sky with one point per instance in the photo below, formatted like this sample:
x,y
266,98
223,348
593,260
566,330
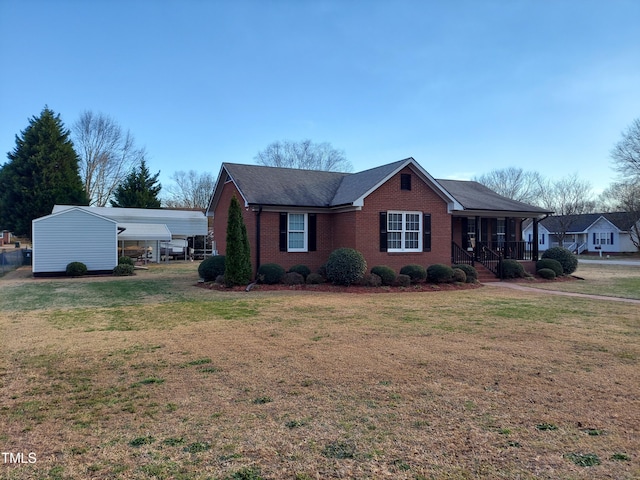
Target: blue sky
x,y
462,86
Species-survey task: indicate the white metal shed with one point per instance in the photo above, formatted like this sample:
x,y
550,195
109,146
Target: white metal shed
x,y
74,235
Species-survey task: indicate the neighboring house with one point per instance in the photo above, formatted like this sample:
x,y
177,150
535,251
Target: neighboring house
x,y
590,232
396,214
96,236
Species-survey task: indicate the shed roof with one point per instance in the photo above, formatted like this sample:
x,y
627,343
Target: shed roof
x,y
144,231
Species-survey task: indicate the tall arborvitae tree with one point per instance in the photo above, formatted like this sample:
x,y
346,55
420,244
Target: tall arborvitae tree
x,y
139,190
42,171
238,256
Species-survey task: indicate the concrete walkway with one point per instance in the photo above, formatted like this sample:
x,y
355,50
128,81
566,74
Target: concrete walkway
x,y
524,288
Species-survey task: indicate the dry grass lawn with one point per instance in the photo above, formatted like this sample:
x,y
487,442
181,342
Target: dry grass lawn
x,y
150,377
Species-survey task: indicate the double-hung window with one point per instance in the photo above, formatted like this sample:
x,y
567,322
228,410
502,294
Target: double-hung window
x,y
404,231
603,238
297,232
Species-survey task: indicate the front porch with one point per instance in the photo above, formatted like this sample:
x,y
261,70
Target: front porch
x,y
488,240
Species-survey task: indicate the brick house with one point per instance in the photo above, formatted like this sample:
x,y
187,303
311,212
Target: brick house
x,y
396,214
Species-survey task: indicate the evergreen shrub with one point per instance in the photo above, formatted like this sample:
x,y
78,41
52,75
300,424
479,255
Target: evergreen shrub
x,y
315,279
512,269
126,261
546,273
210,268
386,274
301,269
459,275
439,273
76,269
123,270
270,273
417,273
469,270
345,266
403,280
566,258
293,278
550,263
371,280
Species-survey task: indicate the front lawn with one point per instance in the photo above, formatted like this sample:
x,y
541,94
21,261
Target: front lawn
x,y
150,377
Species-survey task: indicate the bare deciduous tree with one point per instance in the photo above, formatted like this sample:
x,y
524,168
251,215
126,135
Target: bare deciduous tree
x,y
107,154
514,183
626,153
305,155
190,190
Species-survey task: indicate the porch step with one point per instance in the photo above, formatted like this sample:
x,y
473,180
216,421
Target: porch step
x,y
484,274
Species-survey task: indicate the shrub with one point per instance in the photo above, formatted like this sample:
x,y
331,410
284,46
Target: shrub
x,y
301,269
76,269
270,273
315,279
459,275
550,264
512,269
469,271
238,267
371,280
566,258
219,279
403,280
123,270
293,278
210,268
547,273
439,273
416,273
345,266
126,261
386,274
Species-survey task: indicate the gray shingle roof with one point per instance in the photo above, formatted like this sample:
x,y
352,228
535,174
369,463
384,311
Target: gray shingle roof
x,y
580,223
475,196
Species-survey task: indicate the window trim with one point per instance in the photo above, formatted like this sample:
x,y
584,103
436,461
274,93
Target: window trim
x,y
304,231
404,231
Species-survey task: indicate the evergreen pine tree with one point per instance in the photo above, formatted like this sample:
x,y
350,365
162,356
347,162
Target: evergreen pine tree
x,y
139,189
42,171
238,256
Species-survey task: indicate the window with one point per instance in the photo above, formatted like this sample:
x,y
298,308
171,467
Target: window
x,y
501,231
404,231
297,232
603,238
542,239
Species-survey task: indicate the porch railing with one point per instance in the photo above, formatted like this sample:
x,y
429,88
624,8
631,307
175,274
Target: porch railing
x,y
460,256
521,250
489,258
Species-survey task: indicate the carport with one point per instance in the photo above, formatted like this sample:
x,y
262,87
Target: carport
x,y
142,240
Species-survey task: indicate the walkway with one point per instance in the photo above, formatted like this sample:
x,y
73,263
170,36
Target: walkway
x,y
524,288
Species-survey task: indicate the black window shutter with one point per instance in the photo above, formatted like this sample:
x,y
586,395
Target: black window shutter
x,y
611,238
383,231
494,230
594,238
312,232
283,231
465,232
426,227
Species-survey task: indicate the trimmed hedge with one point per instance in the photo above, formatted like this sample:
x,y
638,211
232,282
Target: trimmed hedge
x,y
439,273
566,258
469,270
345,266
550,263
126,261
371,280
315,279
301,269
512,269
547,273
386,274
212,267
403,280
123,270
270,273
459,275
293,278
76,269
416,273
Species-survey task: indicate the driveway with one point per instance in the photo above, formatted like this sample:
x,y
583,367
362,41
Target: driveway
x,y
610,261
524,288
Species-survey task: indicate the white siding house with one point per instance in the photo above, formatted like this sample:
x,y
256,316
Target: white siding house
x,y
74,235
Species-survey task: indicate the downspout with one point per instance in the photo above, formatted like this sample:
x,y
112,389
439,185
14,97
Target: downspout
x,y
258,238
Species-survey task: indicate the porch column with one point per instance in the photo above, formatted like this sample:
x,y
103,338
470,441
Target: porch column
x,y
534,247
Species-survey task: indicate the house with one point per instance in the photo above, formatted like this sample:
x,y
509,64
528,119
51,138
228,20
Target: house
x,y
97,236
396,214
590,232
